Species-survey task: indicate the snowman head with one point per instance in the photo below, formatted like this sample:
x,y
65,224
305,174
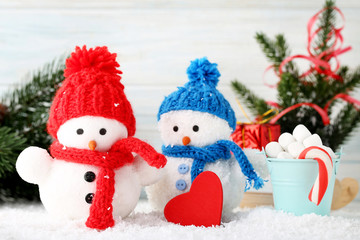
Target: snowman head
x,y
192,128
91,105
93,133
197,113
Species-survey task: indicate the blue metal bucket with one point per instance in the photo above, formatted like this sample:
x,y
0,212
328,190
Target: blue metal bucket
x,y
292,180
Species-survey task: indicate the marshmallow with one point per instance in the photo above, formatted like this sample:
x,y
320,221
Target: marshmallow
x,y
313,140
300,133
329,151
285,139
272,149
295,149
284,155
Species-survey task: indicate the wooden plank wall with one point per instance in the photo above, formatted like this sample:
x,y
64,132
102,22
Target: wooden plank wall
x,y
156,39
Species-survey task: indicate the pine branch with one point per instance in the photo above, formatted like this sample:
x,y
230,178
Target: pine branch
x,y
323,90
342,125
28,104
283,52
13,189
315,88
256,105
326,25
288,90
275,51
27,114
340,86
267,46
11,145
352,80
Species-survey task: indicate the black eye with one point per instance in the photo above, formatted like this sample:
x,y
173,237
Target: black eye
x,y
175,128
195,128
80,131
102,131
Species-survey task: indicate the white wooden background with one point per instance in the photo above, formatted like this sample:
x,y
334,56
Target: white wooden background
x,y
156,39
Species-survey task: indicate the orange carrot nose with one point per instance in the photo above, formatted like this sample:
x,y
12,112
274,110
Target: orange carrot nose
x,y
92,145
186,140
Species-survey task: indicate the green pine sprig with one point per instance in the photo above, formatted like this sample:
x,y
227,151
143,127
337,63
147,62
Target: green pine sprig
x,y
326,25
255,104
342,126
25,125
275,50
11,144
28,104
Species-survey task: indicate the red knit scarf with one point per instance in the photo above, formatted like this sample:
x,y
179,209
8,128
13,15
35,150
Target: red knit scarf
x,y
119,155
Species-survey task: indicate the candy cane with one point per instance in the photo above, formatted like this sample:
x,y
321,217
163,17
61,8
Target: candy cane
x,y
325,170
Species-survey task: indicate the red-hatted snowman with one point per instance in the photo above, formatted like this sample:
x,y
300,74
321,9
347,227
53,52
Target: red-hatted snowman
x,y
93,172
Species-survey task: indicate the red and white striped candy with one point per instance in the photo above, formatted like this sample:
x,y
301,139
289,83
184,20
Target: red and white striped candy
x,y
325,170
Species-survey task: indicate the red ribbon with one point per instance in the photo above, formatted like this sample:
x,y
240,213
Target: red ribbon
x,y
274,104
345,97
323,114
321,111
320,62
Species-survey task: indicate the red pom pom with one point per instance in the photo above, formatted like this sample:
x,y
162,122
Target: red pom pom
x,y
99,59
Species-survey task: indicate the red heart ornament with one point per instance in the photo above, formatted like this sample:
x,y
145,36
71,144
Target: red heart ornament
x,y
201,206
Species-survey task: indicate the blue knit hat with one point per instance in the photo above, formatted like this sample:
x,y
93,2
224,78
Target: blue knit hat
x,y
200,93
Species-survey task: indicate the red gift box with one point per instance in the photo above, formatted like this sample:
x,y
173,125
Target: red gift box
x,y
255,136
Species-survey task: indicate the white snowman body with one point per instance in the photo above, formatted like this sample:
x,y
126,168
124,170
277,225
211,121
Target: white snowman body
x,y
66,188
199,129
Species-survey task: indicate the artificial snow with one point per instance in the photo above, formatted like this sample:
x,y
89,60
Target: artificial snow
x,y
31,221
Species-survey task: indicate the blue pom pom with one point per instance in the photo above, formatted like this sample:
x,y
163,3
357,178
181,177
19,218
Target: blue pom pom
x,y
201,71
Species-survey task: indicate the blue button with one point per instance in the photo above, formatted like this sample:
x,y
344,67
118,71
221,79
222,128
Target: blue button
x,y
180,185
183,168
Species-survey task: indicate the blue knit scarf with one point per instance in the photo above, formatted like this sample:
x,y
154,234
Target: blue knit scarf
x,y
210,154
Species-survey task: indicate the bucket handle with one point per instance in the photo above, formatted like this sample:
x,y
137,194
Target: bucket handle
x,y
267,161
337,163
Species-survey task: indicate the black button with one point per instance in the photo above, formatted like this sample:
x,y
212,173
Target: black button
x,y
102,131
195,128
89,176
89,198
80,131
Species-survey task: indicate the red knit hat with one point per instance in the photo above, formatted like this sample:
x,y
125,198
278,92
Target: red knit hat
x,y
91,88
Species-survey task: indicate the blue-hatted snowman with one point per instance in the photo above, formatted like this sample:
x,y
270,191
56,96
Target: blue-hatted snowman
x,y
195,124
